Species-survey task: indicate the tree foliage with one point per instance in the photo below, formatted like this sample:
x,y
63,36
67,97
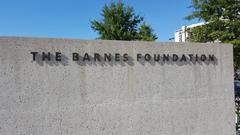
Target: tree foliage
x,y
121,23
222,19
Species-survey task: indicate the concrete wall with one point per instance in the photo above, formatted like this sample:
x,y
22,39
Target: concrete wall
x,y
114,98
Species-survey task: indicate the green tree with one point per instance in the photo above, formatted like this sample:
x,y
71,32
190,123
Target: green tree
x,y
121,23
222,19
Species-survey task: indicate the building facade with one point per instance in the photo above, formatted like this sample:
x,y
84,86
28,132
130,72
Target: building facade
x,y
181,34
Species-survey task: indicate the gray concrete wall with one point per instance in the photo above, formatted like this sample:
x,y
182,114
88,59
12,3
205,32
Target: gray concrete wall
x,y
114,98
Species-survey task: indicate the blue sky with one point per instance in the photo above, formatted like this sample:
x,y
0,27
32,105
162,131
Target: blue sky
x,y
71,18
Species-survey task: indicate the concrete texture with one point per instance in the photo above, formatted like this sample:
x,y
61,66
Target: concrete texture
x,y
135,98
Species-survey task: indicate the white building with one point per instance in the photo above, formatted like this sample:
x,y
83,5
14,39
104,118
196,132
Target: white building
x,y
181,34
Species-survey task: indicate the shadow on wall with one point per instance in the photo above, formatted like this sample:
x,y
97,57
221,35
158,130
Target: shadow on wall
x,y
112,62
